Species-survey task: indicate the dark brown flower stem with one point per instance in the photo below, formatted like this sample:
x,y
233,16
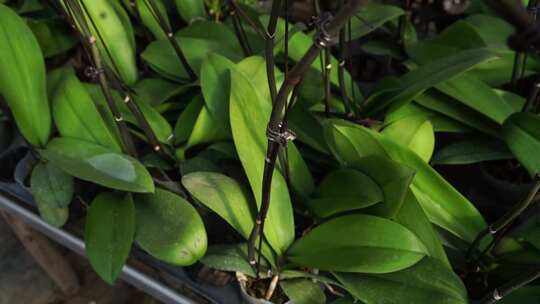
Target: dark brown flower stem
x,y
74,13
248,19
269,48
516,70
278,112
327,69
505,290
533,97
170,36
403,19
506,219
127,141
341,70
240,33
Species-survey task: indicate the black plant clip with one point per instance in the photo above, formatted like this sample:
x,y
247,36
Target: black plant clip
x,y
280,135
93,72
324,38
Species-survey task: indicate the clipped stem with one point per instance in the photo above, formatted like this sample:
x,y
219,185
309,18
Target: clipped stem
x,y
269,49
129,146
170,36
505,290
506,219
341,69
72,11
327,69
279,112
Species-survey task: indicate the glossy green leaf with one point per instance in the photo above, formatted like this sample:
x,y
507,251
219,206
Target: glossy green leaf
x,y
186,121
250,141
22,78
53,36
412,216
162,58
207,129
232,258
224,196
493,31
191,10
393,179
216,85
148,16
358,243
521,133
372,17
110,228
98,164
477,95
53,190
76,115
349,144
303,291
109,23
441,123
414,132
211,30
429,281
444,205
344,190
169,228
418,80
155,91
449,107
471,151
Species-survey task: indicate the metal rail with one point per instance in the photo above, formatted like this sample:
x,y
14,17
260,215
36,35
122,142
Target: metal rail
x,y
129,274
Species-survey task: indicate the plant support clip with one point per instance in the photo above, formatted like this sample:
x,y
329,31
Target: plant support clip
x,y
278,136
93,72
324,38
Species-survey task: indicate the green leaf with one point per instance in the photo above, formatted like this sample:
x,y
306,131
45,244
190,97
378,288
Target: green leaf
x,y
76,115
521,133
169,228
109,22
110,227
493,30
216,85
207,129
22,78
349,144
191,10
418,80
98,164
185,123
250,141
440,122
477,95
429,281
212,31
303,291
358,243
449,107
471,151
444,205
344,190
393,179
162,58
53,36
53,190
229,258
224,196
414,132
412,216
372,17
155,91
148,16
